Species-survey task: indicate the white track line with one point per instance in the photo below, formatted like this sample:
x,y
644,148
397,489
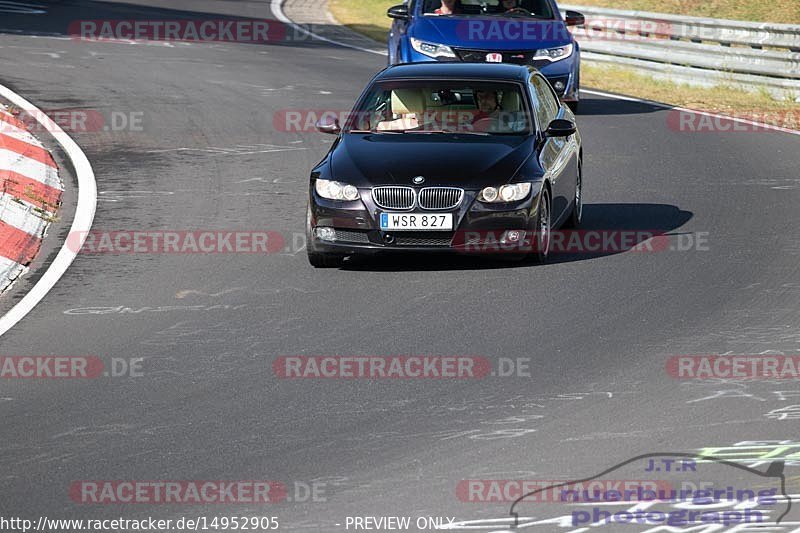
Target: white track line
x,y
277,10
84,212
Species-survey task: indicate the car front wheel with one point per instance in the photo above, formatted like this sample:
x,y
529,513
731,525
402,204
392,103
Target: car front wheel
x,y
576,216
543,228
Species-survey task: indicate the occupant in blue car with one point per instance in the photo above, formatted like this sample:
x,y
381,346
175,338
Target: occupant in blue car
x,y
449,7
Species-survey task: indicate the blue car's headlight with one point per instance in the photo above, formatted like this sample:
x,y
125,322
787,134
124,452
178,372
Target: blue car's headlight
x,y
555,54
336,190
432,49
507,193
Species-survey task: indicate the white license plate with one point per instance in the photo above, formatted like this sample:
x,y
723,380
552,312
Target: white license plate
x,y
416,222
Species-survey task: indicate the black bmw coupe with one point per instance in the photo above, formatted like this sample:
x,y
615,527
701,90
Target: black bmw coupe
x,y
451,157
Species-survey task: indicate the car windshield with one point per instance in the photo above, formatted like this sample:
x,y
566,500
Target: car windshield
x,y
479,108
532,8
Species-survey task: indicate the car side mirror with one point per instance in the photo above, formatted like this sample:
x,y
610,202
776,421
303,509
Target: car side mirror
x,y
398,12
573,18
560,127
329,125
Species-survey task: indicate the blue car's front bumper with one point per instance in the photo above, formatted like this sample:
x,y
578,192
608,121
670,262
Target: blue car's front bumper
x,y
564,75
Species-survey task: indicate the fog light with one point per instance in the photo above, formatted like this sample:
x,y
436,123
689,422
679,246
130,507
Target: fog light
x,y
325,234
559,86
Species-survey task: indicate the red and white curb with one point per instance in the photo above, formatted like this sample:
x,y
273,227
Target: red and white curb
x,y
30,193
32,188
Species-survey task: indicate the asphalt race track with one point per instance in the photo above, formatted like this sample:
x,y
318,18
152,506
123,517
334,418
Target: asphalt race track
x,y
598,329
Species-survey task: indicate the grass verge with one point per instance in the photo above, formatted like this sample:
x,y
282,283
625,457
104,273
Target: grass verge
x,y
784,11
367,17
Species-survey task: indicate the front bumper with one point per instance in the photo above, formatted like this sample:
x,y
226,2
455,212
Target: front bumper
x,y
565,71
478,227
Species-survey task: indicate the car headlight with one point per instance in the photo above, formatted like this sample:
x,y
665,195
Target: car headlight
x,y
432,49
507,193
554,54
336,190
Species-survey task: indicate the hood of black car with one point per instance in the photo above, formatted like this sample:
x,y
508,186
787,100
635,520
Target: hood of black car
x,y
466,161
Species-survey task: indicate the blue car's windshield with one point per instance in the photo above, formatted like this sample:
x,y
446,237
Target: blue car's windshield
x,y
532,8
427,106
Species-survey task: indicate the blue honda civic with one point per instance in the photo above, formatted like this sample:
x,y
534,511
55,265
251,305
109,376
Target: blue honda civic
x,y
525,32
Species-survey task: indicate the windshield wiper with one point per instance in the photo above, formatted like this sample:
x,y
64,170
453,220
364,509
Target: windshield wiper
x,y
373,131
448,132
519,15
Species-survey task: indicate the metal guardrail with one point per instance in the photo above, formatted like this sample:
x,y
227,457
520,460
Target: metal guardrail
x,y
696,50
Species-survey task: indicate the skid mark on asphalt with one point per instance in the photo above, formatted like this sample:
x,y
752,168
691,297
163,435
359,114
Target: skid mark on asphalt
x,y
263,88
214,151
134,311
118,196
53,55
263,180
189,292
82,431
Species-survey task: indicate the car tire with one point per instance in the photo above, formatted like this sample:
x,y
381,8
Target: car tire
x,y
543,228
576,216
319,259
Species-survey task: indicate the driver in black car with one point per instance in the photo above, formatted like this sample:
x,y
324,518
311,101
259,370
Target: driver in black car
x,y
488,116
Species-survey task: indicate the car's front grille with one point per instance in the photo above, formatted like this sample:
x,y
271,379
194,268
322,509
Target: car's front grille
x,y
440,197
394,197
422,239
343,235
524,57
